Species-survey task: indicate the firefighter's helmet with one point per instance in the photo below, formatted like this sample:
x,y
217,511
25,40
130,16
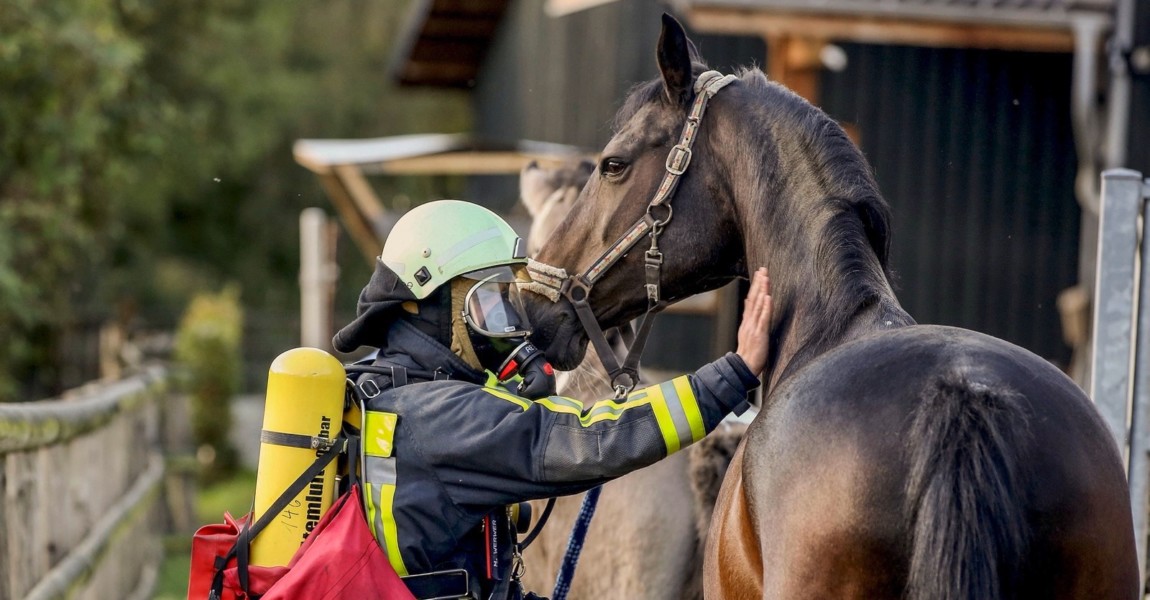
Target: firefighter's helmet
x,y
439,241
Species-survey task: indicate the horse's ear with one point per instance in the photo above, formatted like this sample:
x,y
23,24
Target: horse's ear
x,y
674,56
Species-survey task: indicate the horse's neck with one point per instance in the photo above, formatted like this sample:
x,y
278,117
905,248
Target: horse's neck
x,y
820,300
800,339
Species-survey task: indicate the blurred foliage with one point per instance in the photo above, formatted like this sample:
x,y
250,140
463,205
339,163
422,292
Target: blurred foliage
x,y
145,153
209,363
233,495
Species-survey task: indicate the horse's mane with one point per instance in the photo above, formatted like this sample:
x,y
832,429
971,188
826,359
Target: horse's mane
x,y
854,218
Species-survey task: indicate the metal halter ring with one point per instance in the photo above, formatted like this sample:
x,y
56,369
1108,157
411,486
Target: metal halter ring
x,y
622,389
656,224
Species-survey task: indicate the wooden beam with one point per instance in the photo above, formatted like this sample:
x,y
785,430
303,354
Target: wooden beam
x,y
360,230
468,7
874,30
459,27
447,50
794,62
464,163
438,73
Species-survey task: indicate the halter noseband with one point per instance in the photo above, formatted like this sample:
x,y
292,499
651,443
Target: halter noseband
x,y
552,281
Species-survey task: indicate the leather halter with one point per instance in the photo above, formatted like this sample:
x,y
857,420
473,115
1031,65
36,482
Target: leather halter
x,y
554,281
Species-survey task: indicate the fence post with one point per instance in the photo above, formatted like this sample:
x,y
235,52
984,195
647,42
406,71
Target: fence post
x,y
1120,386
317,277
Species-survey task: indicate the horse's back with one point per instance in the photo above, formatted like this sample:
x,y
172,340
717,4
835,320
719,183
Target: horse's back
x,y
867,462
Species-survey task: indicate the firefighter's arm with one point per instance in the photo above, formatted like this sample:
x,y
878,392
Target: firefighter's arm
x,y
500,442
610,438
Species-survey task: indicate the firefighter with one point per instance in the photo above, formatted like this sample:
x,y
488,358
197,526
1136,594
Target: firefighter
x,y
461,419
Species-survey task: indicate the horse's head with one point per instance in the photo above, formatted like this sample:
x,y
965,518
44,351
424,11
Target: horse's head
x,y
699,239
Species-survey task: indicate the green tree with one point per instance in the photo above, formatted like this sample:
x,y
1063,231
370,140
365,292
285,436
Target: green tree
x,y
145,154
209,362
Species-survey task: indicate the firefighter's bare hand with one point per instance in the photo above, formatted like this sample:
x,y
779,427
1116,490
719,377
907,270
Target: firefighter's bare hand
x,y
754,331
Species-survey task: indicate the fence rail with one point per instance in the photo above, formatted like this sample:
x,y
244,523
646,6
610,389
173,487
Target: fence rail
x,y
81,480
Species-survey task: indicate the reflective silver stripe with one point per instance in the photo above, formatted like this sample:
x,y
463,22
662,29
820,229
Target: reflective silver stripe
x,y
381,471
467,243
377,499
566,402
678,417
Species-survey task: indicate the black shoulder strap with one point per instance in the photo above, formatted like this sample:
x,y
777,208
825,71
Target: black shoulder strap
x,y
239,550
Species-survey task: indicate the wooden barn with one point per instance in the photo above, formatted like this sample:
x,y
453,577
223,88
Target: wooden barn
x,y
977,117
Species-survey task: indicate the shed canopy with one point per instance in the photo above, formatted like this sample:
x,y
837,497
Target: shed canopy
x,y
343,165
430,154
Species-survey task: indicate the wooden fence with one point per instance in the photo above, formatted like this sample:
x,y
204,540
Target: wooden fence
x,y
81,480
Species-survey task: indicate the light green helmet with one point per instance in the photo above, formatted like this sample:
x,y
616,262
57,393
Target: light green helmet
x,y
436,242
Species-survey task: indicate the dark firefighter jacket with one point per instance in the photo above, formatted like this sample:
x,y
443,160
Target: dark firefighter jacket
x,y
442,454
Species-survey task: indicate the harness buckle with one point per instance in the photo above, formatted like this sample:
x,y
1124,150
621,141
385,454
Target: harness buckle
x,y
679,159
370,393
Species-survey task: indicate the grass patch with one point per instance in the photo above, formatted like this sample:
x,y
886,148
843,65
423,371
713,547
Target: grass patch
x,y
232,495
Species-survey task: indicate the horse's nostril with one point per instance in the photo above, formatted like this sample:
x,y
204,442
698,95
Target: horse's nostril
x,y
534,164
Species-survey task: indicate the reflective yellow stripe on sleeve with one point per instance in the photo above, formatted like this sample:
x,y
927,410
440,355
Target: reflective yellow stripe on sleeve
x,y
677,412
379,482
673,403
690,406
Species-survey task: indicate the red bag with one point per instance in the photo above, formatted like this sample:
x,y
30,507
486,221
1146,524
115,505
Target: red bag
x,y
340,559
210,545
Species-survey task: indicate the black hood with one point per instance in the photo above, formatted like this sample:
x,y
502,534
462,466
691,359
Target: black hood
x,y
378,307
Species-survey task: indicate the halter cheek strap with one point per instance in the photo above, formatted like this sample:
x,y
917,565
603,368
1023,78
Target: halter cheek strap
x,y
552,282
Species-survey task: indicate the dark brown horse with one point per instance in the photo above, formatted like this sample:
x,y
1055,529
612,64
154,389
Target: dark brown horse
x,y
891,460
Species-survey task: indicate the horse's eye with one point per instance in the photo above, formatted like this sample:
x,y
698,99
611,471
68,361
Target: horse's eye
x,y
613,167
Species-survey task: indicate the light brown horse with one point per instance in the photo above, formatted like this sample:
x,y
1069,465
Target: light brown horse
x,y
891,460
646,539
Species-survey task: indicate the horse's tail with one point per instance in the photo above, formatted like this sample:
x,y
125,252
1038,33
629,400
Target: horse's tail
x,y
964,492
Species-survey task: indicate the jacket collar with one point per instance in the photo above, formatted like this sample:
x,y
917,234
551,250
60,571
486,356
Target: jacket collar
x,y
405,341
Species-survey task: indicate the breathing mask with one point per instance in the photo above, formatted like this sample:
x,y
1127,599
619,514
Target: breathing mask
x,y
498,330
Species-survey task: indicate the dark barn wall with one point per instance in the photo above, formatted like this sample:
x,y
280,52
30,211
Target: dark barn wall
x,y
1138,139
973,151
985,225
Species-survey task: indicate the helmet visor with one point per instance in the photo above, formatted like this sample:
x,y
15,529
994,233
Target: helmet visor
x,y
493,308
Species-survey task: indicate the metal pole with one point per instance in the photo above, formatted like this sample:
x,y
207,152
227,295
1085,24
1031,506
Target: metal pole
x,y
1114,300
1139,472
1118,103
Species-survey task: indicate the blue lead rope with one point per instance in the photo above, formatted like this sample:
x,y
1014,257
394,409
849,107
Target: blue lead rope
x,y
575,544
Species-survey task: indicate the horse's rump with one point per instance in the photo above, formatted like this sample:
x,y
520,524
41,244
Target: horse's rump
x,y
932,462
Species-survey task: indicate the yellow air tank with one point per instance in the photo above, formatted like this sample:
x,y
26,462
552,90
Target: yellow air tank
x,y
304,398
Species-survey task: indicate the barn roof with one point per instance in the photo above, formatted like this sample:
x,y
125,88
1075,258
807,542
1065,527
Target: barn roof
x,y
1039,25
1024,13
444,41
